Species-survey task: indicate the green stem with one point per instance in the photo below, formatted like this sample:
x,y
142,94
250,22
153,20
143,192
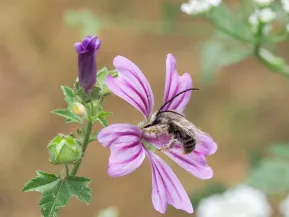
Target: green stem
x,y
84,146
66,170
228,32
276,64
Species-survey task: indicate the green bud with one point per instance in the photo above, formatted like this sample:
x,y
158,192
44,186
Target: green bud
x,y
64,149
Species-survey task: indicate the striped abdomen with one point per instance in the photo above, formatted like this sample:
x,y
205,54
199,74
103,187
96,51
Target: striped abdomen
x,y
182,135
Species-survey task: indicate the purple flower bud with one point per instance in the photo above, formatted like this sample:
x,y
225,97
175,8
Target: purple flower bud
x,y
87,50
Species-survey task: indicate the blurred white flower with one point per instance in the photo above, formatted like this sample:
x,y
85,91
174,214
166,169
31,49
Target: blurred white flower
x,y
284,207
194,7
108,212
263,3
285,5
243,201
264,16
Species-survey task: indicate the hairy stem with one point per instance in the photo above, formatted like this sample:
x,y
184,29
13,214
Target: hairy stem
x,y
84,146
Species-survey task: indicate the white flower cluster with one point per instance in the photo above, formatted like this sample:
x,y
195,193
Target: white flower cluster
x,y
265,15
194,7
243,201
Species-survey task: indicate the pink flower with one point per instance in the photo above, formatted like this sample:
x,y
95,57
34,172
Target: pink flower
x,y
129,144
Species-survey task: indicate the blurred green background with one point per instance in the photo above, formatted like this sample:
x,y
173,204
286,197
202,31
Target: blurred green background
x,y
244,108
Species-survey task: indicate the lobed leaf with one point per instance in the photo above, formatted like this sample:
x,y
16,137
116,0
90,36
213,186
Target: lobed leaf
x,y
69,94
69,115
56,191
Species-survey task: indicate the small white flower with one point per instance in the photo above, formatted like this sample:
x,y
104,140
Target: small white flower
x,y
265,15
285,5
284,207
194,7
263,3
243,201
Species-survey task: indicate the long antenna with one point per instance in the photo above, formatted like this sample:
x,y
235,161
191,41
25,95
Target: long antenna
x,y
180,93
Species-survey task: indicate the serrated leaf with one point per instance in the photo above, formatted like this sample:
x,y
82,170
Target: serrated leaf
x,y
56,191
69,115
279,150
69,94
104,114
272,176
102,120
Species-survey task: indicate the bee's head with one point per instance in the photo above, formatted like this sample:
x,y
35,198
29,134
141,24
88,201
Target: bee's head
x,y
155,120
160,116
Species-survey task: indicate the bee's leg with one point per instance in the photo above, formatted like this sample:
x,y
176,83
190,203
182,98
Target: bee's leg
x,y
156,129
170,145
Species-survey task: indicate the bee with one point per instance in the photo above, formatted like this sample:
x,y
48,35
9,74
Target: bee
x,y
174,124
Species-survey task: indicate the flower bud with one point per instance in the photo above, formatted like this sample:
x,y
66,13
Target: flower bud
x,y
79,109
64,149
87,50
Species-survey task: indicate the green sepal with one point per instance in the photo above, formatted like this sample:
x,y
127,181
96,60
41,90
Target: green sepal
x,y
81,95
69,115
57,191
94,94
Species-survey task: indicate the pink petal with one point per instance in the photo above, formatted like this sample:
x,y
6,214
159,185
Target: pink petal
x,y
127,152
174,85
131,85
206,144
167,188
195,163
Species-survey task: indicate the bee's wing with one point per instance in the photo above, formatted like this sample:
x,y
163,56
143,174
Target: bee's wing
x,y
185,133
185,126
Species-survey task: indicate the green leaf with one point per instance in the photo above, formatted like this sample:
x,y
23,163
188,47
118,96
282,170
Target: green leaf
x,y
272,176
69,115
230,22
104,114
102,120
93,137
219,52
69,94
56,191
102,74
279,150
